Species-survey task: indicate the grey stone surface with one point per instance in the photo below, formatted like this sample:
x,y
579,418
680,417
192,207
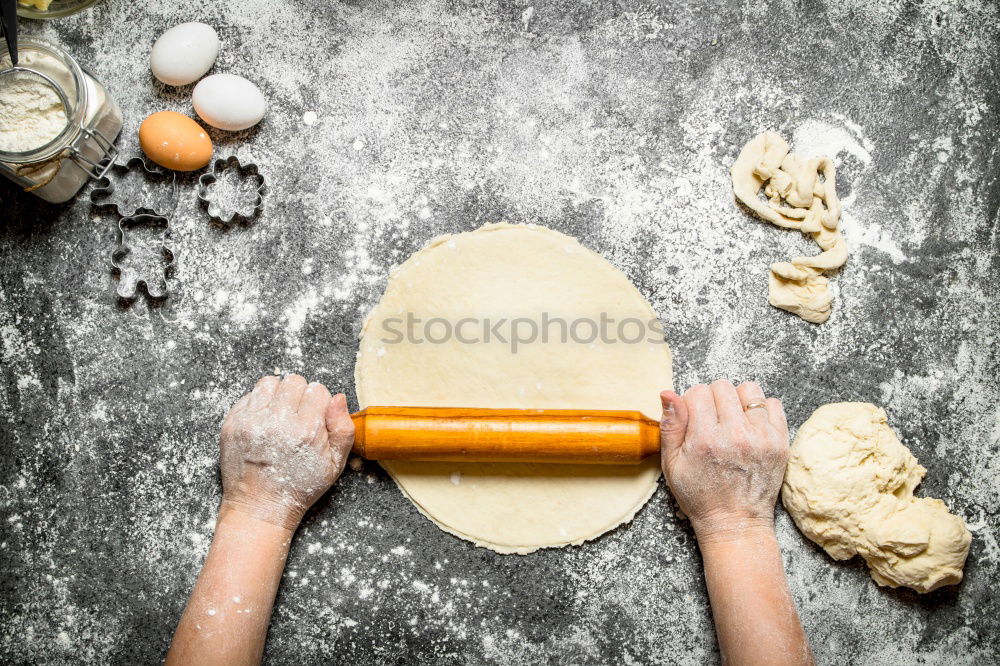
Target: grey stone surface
x,y
614,122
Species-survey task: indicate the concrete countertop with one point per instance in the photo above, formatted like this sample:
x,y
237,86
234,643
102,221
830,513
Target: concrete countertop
x,y
391,123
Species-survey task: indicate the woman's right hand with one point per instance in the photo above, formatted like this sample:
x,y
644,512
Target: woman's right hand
x,y
724,463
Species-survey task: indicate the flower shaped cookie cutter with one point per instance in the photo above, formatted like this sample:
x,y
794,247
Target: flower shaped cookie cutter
x,y
234,202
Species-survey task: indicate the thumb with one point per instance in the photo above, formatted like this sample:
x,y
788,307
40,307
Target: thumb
x,y
338,422
673,426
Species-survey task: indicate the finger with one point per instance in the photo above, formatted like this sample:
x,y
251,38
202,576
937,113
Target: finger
x,y
727,403
339,425
289,393
700,408
314,402
776,415
235,410
263,392
752,393
673,426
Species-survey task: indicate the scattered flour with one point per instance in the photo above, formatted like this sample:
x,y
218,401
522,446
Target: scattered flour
x,y
619,129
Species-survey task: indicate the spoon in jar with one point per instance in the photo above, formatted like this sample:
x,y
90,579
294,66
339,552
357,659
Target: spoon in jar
x,y
8,17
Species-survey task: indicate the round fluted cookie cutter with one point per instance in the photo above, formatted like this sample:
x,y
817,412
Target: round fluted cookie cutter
x,y
228,212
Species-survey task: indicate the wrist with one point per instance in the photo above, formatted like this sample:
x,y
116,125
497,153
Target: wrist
x,y
727,529
278,515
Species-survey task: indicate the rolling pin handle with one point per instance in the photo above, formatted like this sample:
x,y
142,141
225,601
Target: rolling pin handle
x,y
360,421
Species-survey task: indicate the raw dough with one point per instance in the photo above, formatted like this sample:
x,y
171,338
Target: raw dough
x,y
797,199
511,271
849,487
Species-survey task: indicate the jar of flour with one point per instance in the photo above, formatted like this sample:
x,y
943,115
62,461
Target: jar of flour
x,y
57,122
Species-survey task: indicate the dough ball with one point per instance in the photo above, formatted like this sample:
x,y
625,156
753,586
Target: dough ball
x,y
849,487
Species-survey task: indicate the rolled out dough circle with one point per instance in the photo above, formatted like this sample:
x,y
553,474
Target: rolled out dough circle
x,y
511,271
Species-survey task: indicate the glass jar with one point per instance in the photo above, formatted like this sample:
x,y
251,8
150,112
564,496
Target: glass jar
x,y
84,148
40,9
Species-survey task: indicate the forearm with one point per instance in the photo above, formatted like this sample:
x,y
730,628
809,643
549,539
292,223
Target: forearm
x,y
755,617
226,619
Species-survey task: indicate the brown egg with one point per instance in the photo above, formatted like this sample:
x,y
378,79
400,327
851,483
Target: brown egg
x,y
174,141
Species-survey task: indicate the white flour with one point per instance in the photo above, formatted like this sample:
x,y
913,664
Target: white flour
x,y
31,114
544,128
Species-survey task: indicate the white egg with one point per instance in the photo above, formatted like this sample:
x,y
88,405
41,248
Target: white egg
x,y
184,53
228,102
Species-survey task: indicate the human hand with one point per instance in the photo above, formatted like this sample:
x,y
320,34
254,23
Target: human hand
x,y
724,465
282,446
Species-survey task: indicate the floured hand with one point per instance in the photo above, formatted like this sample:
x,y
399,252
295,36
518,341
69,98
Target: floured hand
x,y
724,465
283,446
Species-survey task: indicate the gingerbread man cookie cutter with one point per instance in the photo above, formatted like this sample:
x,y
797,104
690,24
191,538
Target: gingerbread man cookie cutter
x,y
136,187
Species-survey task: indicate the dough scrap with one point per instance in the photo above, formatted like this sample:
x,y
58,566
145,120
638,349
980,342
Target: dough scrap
x,y
849,487
796,199
503,270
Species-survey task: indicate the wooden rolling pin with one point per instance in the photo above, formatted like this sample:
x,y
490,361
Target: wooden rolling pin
x,y
504,435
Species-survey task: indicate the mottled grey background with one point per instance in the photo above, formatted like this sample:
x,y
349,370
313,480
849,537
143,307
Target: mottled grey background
x,y
614,122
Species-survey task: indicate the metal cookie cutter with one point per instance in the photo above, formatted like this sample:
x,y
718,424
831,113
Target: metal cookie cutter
x,y
135,188
148,264
223,201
